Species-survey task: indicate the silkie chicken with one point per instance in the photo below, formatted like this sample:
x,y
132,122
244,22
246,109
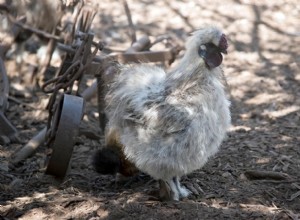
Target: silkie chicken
x,y
168,124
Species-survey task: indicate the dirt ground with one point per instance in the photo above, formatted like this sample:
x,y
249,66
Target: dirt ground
x,y
263,72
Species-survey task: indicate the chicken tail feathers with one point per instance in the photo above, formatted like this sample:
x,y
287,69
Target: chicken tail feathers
x,y
112,138
111,159
106,161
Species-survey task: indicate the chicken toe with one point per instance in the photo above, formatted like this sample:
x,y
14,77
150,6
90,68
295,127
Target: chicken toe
x,y
183,192
168,191
172,190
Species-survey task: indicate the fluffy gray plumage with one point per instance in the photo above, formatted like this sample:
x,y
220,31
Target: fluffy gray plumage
x,y
171,123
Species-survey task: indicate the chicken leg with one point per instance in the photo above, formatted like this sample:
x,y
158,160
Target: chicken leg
x,y
172,190
183,192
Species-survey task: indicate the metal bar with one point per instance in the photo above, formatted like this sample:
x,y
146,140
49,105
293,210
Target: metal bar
x,y
4,87
145,56
30,147
135,57
101,103
7,131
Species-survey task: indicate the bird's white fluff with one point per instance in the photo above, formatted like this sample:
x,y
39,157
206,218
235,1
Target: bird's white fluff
x,y
170,123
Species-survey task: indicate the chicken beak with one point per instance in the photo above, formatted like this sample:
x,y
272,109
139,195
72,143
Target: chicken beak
x,y
223,45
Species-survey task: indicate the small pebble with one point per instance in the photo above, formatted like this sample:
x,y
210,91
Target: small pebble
x,y
226,175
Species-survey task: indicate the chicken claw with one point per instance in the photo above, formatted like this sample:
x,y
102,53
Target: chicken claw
x,y
172,190
165,192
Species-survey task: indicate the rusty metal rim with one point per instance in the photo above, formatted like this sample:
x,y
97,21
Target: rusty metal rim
x,y
67,130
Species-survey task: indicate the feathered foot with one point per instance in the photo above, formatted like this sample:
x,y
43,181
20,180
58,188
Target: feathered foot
x,y
183,192
172,190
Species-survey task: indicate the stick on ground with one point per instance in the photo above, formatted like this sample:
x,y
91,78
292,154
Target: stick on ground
x,y
263,175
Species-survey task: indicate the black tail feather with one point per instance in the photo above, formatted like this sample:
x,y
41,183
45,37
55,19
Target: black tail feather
x,y
106,161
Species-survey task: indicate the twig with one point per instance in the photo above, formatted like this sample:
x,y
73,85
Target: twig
x,y
34,30
262,175
13,99
131,25
87,16
46,61
279,181
292,215
75,18
278,30
49,53
294,196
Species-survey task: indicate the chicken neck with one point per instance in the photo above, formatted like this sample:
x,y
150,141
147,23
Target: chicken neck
x,y
190,70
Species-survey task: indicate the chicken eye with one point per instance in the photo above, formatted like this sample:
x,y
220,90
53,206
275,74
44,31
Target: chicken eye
x,y
202,51
202,47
